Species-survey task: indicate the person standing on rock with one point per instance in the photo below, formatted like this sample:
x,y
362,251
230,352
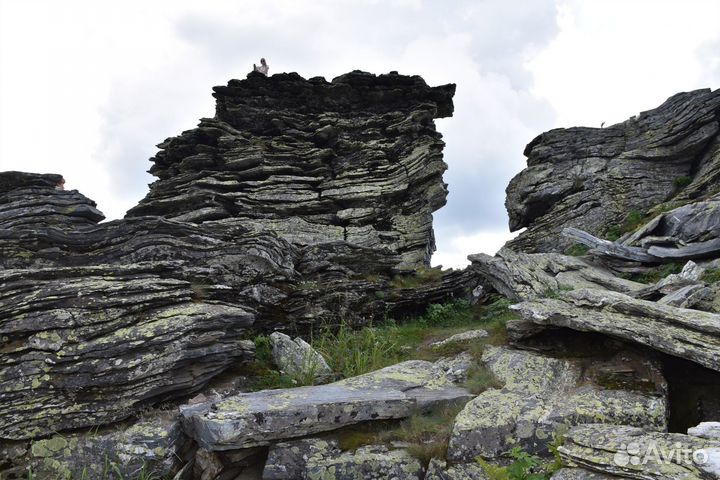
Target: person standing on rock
x,y
263,68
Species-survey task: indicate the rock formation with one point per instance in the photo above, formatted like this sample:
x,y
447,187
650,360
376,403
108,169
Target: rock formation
x,y
129,348
356,159
594,178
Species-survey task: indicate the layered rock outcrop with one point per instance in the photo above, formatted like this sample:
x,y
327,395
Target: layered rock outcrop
x,y
594,178
356,159
296,206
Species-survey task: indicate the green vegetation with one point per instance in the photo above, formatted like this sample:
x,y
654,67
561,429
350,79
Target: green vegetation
x,y
481,378
577,250
712,275
354,352
427,434
683,181
111,471
351,352
632,221
261,372
526,466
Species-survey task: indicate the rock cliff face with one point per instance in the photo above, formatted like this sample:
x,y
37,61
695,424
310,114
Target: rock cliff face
x,y
356,159
594,178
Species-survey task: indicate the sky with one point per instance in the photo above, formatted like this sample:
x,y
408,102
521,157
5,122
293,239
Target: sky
x,y
89,87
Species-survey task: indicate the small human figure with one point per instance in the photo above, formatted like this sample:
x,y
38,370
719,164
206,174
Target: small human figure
x,y
60,184
263,68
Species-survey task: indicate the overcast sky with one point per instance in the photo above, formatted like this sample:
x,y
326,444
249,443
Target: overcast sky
x,y
88,88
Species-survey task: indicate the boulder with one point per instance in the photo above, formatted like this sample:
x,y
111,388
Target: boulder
x,y
543,396
298,359
288,460
370,462
438,469
709,430
630,452
260,418
149,447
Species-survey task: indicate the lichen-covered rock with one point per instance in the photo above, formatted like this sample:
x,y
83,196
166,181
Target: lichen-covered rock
x,y
684,333
356,159
298,359
366,463
29,201
439,470
580,474
288,460
259,418
710,430
638,453
522,276
150,446
462,338
542,396
592,178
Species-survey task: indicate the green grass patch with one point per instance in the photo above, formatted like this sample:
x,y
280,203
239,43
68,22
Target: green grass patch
x,y
352,352
427,434
481,378
712,275
632,222
682,181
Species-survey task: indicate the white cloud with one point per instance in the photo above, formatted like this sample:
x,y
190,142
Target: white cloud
x,y
613,59
455,253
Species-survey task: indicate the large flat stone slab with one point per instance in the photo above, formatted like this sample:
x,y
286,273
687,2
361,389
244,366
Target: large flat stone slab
x,y
259,418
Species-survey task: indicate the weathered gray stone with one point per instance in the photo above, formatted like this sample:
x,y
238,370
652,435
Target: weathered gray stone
x,y
630,452
151,445
685,333
593,178
456,368
314,162
541,396
522,276
439,470
710,430
298,359
580,474
463,337
251,419
288,460
366,463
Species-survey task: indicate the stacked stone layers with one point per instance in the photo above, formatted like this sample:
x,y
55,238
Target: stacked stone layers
x,y
356,160
593,178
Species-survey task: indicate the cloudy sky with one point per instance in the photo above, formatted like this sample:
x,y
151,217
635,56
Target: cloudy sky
x,y
88,87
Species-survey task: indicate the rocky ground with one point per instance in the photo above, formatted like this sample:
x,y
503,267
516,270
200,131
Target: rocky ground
x,y
268,310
